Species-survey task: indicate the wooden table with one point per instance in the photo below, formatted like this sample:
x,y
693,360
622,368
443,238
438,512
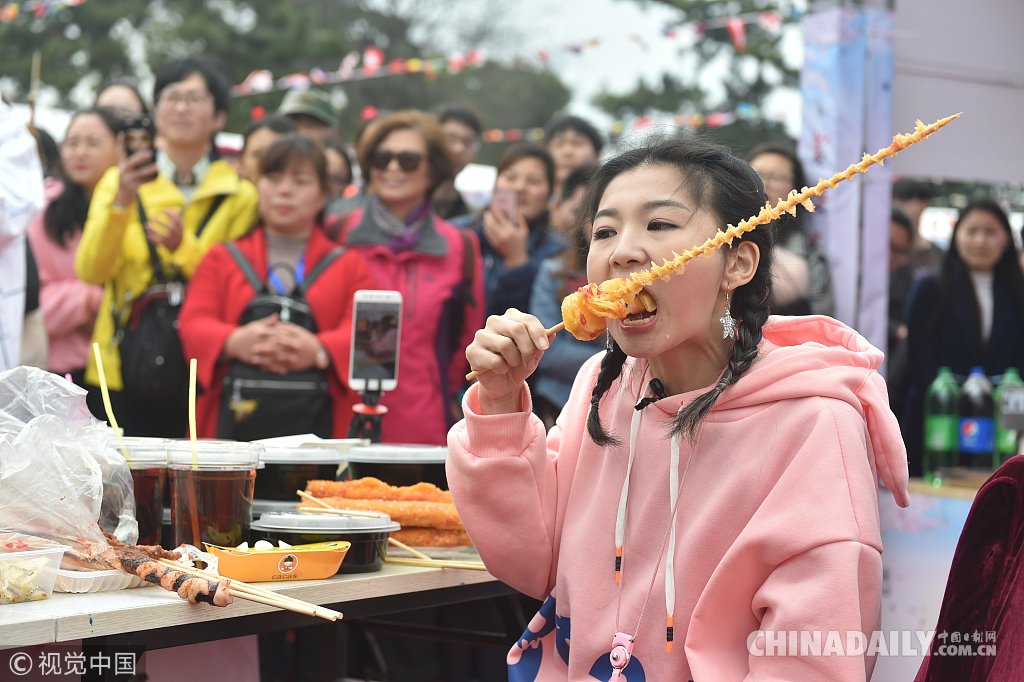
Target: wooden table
x,y
156,619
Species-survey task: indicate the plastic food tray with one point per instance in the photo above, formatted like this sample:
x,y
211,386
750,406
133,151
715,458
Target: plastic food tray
x,y
96,581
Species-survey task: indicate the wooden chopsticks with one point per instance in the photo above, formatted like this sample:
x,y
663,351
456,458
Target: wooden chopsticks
x,y
427,562
257,594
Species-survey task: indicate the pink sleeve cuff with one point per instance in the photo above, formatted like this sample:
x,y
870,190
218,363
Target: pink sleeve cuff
x,y
498,435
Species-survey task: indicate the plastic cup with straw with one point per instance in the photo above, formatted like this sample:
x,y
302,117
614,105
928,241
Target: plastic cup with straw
x,y
106,398
192,502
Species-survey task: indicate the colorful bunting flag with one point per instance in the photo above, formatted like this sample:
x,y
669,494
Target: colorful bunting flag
x,y
738,32
373,58
771,22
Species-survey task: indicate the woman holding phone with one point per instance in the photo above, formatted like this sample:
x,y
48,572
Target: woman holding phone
x,y
151,219
288,251
436,267
515,232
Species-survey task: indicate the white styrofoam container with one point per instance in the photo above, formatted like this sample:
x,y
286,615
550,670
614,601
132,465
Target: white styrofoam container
x,y
96,581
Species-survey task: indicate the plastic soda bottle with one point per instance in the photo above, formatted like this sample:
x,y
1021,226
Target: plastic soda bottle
x,y
1006,439
977,421
941,426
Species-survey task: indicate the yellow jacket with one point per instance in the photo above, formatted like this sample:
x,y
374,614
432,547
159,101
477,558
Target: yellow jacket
x,y
114,253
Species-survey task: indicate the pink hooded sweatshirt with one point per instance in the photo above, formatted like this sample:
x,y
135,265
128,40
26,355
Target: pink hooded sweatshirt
x,y
776,527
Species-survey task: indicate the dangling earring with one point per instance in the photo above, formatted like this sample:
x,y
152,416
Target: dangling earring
x,y
727,320
608,341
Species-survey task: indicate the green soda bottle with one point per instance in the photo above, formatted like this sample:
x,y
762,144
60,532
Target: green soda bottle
x,y
941,426
1006,439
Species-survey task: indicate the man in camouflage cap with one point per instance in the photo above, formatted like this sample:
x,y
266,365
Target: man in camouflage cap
x,y
312,113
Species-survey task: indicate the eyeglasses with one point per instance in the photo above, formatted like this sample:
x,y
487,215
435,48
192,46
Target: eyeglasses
x,y
190,99
456,140
407,161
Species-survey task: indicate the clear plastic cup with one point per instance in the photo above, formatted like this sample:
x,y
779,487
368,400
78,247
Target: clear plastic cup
x,y
147,459
211,501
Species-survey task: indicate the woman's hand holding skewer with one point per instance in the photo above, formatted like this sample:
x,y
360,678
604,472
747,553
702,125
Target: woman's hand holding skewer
x,y
506,351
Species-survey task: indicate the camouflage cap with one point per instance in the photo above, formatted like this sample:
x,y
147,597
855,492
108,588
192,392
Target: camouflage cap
x,y
315,103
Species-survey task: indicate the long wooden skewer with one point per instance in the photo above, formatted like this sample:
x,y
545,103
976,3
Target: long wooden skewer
x,y
245,591
410,550
242,590
437,563
341,512
623,289
247,588
550,332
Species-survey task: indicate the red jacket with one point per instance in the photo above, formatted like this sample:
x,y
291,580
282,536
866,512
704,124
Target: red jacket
x,y
219,293
431,367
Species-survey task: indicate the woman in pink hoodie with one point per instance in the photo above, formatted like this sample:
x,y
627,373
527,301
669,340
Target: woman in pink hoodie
x,y
714,473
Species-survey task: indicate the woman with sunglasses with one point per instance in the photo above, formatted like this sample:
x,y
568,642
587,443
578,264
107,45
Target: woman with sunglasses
x,y
436,267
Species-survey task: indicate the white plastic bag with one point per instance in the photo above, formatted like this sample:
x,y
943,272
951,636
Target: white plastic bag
x,y
59,477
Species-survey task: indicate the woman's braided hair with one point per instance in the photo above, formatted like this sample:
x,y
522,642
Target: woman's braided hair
x,y
729,189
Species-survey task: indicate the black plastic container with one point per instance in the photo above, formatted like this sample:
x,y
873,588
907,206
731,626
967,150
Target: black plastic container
x,y
288,470
369,536
399,464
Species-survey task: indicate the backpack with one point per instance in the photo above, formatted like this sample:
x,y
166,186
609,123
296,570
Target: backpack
x,y
153,365
258,404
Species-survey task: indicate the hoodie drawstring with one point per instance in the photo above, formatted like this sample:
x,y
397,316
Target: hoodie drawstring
x,y
675,487
670,559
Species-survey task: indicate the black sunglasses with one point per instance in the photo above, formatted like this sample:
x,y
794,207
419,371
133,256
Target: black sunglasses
x,y
407,161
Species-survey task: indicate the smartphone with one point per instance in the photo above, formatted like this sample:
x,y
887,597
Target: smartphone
x,y
140,135
506,201
376,333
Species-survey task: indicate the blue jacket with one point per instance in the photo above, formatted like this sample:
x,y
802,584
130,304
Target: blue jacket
x,y
955,343
511,288
562,360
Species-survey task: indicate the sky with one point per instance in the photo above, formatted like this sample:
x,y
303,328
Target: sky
x,y
631,46
620,59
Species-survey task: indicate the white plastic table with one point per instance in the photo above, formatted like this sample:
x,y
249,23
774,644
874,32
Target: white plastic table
x,y
155,618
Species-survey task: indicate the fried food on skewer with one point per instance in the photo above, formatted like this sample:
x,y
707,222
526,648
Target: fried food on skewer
x,y
420,514
370,488
585,312
432,537
194,588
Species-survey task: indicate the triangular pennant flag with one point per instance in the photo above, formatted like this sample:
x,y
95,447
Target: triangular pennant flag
x,y
771,22
738,32
373,58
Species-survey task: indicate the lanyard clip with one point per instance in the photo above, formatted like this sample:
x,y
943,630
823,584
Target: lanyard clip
x,y
622,649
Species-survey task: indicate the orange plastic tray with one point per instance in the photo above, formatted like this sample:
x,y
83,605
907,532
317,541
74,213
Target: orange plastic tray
x,y
301,562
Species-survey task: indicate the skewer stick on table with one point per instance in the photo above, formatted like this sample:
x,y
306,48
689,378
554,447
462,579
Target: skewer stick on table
x,y
437,563
326,508
410,550
551,332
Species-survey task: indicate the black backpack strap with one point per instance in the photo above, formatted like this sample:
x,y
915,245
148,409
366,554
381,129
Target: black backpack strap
x,y
465,297
159,273
324,263
245,266
154,257
217,201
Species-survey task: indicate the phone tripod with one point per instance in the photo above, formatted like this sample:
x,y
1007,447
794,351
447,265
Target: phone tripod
x,y
366,421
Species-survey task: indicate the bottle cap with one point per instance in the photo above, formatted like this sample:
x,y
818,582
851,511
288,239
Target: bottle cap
x,y
978,370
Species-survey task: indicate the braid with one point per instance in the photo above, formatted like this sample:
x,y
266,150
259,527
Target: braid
x,y
751,305
611,367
